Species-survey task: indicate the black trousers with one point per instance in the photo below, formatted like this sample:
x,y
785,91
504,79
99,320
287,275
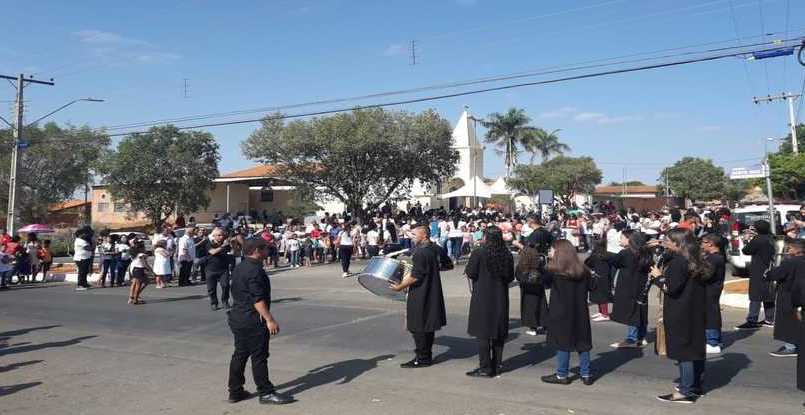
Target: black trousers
x,y
345,253
185,268
84,266
213,279
250,343
490,354
423,342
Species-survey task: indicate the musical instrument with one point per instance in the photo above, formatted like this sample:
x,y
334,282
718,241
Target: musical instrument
x,y
380,272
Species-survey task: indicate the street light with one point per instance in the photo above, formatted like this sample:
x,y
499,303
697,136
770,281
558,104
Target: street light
x,y
12,177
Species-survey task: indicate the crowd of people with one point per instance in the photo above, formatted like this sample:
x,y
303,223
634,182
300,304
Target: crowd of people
x,y
24,259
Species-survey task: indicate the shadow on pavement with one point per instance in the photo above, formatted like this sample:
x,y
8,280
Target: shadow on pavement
x,y
170,300
18,365
26,331
34,347
535,354
720,372
339,373
607,362
8,390
728,338
286,300
460,347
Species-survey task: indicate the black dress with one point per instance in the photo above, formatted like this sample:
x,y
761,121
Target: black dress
x,y
533,302
602,294
568,318
629,284
425,311
713,287
786,326
489,304
683,312
798,300
762,252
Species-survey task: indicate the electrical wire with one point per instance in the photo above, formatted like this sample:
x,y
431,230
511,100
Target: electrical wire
x,y
479,91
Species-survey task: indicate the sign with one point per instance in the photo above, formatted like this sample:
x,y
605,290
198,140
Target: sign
x,y
22,144
751,172
545,197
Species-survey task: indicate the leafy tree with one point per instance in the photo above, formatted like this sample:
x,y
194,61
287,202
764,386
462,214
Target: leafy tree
x,y
507,131
543,143
694,178
788,175
57,162
363,158
162,170
735,190
629,183
785,146
566,176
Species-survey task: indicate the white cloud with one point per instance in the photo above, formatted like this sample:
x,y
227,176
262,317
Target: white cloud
x,y
601,118
98,37
394,50
563,112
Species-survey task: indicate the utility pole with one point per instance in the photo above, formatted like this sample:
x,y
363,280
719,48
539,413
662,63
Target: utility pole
x,y
413,52
18,142
667,190
792,120
767,171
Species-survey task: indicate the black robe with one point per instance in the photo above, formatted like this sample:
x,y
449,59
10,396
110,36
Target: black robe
x,y
489,304
786,326
602,294
798,300
762,252
533,302
713,287
568,317
683,312
425,311
629,284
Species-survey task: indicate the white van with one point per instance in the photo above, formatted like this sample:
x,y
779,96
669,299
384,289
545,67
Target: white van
x,y
744,217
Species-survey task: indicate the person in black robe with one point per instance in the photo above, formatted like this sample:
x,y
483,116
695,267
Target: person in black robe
x,y
682,280
533,301
599,263
491,269
568,319
761,248
713,246
786,325
425,310
633,263
797,304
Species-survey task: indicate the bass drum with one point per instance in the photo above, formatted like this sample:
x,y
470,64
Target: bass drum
x,y
379,273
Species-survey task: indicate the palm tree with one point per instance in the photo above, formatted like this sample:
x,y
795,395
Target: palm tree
x,y
507,131
545,144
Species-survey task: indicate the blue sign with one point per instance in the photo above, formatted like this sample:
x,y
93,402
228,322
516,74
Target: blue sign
x,y
22,144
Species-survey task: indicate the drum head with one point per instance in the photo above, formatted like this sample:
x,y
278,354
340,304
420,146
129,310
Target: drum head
x,y
379,287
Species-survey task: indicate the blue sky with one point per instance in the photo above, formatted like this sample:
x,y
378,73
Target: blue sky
x,y
241,55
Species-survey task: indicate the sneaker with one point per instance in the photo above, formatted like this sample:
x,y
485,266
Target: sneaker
x,y
556,380
713,349
694,391
749,325
531,332
783,352
595,315
345,275
625,345
80,288
767,323
676,398
601,317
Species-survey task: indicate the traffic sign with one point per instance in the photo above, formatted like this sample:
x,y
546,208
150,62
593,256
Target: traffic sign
x,y
752,172
22,144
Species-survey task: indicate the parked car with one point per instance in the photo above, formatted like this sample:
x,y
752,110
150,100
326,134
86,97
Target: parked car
x,y
744,217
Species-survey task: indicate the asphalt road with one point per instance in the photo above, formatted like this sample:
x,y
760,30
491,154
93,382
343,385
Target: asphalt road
x,y
67,352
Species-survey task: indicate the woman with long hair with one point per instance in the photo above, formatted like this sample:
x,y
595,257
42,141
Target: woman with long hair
x,y
682,280
713,248
633,263
491,269
568,319
598,263
786,325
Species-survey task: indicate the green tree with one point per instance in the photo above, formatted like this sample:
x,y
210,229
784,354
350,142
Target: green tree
x,y
363,158
161,170
785,146
508,131
788,175
566,176
57,162
735,190
694,178
629,183
545,144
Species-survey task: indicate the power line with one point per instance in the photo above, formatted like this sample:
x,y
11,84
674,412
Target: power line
x,y
479,91
542,71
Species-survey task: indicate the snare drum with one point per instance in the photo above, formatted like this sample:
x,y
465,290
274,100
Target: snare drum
x,y
379,273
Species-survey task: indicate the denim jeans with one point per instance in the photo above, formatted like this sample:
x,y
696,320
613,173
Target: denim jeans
x,y
563,363
294,258
713,337
754,311
5,278
635,333
455,247
109,266
690,376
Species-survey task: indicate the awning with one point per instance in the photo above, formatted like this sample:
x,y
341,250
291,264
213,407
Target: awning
x,y
475,188
499,187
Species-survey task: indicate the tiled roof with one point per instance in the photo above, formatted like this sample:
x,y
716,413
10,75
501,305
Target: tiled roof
x,y
260,170
68,204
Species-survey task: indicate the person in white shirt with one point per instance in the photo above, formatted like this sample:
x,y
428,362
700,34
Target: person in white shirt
x,y
139,278
162,266
372,241
82,248
186,251
614,238
122,249
292,245
345,246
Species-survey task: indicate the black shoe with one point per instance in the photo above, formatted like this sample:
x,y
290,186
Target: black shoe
x,y
238,396
783,352
541,331
676,398
749,325
767,323
275,398
415,363
587,380
695,391
555,380
481,373
214,307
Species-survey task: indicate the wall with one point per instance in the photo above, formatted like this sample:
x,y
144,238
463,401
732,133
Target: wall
x,y
104,215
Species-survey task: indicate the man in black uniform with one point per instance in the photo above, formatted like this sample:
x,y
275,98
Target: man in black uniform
x,y
251,323
425,311
217,267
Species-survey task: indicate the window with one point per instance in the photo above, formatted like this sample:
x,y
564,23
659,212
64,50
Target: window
x,y
121,208
266,195
103,207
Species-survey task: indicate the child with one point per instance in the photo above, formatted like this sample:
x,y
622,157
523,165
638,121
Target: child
x,y
162,266
293,250
139,279
307,248
46,257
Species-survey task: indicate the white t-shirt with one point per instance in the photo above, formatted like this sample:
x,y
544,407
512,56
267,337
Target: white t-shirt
x,y
139,261
81,252
123,250
613,241
345,238
292,244
454,231
187,248
372,237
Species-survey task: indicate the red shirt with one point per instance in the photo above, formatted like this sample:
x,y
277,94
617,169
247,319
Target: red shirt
x,y
315,234
5,239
